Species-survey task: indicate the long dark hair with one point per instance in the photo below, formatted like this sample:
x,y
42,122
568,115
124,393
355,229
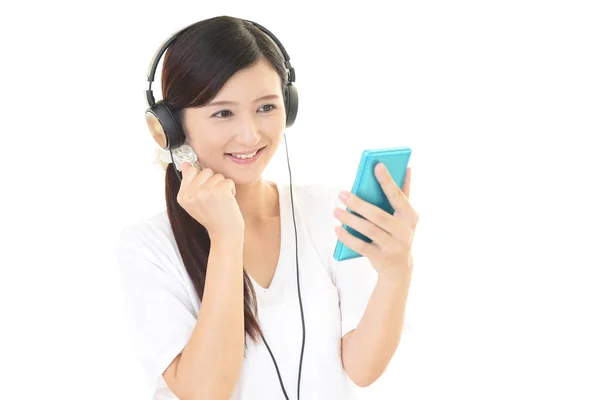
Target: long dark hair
x,y
195,67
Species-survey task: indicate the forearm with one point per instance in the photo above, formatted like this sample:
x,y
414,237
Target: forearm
x,y
370,347
211,362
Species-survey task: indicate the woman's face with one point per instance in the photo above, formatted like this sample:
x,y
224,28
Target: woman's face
x,y
248,114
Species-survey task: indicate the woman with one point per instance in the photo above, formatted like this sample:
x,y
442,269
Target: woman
x,y
232,292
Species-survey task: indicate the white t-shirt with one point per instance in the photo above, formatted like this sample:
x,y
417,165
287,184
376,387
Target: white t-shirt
x,y
162,306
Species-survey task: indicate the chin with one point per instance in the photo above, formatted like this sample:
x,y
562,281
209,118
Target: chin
x,y
246,172
241,181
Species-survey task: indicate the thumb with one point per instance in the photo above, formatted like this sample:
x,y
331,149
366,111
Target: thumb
x,y
185,166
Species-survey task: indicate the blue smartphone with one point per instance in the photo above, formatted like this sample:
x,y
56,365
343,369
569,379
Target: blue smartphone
x,y
367,187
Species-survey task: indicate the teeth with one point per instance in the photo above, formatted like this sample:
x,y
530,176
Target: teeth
x,y
244,156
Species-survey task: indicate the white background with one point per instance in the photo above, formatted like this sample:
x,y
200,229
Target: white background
x,y
498,100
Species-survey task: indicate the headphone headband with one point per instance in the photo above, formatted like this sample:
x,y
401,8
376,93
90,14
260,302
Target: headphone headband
x,y
163,48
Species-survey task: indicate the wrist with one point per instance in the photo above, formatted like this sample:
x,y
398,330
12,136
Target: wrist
x,y
227,240
229,249
394,280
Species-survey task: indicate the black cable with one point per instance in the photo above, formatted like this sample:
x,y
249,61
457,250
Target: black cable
x,y
297,269
276,367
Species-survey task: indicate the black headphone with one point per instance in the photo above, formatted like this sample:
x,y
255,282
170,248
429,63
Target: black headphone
x,y
163,125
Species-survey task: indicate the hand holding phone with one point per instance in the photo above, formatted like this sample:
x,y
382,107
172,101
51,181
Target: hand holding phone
x,y
367,187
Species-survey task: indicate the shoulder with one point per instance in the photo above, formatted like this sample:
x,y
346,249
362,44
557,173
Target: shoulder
x,y
150,230
317,197
150,238
316,202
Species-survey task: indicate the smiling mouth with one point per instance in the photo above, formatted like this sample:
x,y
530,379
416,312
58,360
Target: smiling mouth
x,y
245,158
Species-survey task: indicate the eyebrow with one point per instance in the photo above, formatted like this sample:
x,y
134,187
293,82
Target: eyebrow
x,y
222,103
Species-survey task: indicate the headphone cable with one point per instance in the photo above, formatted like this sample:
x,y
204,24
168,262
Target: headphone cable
x,y
297,269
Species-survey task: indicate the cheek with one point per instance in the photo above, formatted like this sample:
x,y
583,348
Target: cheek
x,y
209,142
274,126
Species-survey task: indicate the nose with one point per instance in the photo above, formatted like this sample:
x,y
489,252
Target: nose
x,y
248,131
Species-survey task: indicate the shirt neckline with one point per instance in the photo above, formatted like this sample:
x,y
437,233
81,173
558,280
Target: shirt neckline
x,y
277,283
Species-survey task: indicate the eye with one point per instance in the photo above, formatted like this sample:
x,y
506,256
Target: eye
x,y
219,114
270,106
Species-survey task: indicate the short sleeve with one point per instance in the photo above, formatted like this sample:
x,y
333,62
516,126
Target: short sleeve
x,y
354,278
158,309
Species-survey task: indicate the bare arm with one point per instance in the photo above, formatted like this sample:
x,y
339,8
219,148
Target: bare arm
x,y
367,350
210,364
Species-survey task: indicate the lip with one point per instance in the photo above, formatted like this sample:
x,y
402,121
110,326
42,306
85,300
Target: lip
x,y
248,160
245,152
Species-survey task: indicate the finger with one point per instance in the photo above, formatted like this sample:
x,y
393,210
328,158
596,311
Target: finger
x,y
227,184
366,227
184,167
202,177
188,174
358,245
393,193
406,185
369,211
214,179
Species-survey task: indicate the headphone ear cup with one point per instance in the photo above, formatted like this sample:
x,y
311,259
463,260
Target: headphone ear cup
x,y
164,127
291,104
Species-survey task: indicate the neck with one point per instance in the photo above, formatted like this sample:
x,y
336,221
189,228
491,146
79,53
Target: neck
x,y
258,202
